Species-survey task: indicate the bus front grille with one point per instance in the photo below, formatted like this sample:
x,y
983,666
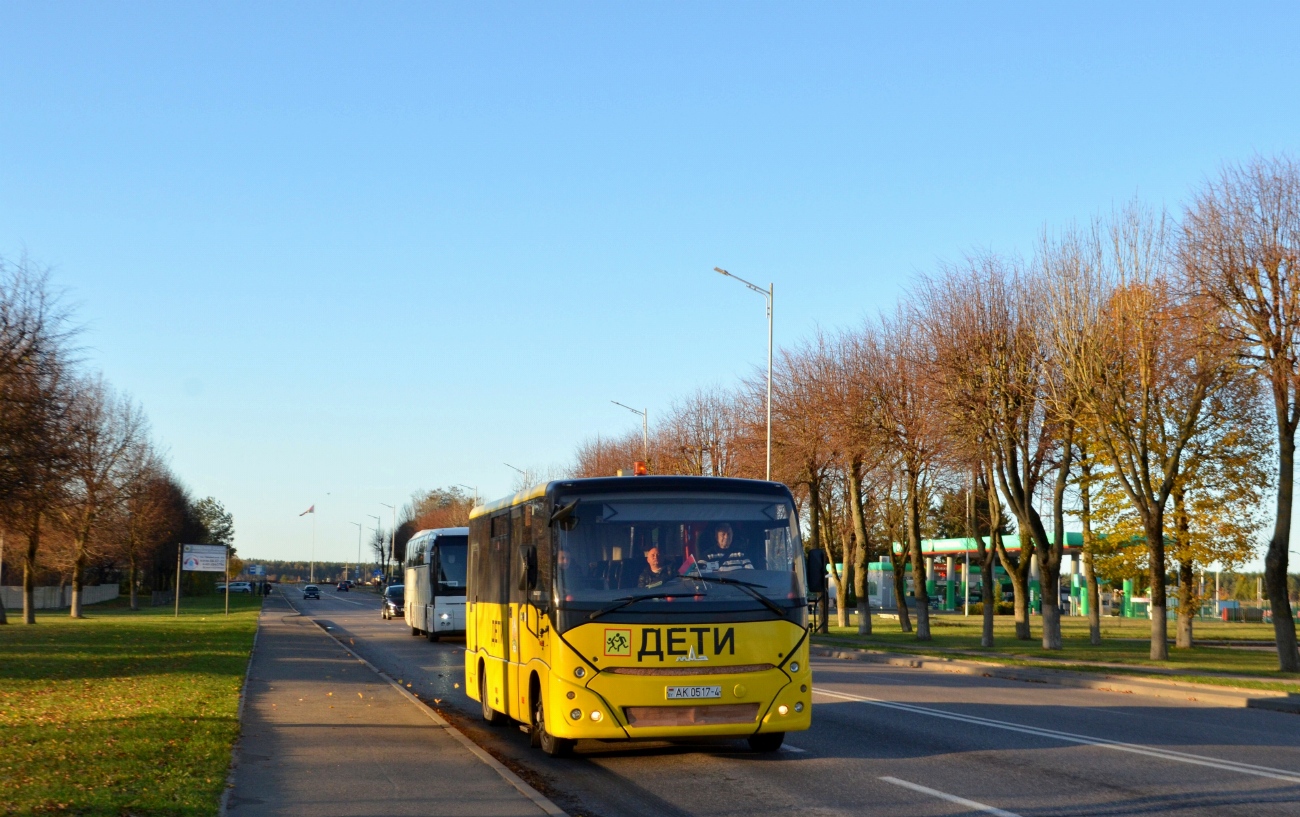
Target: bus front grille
x,y
698,715
692,670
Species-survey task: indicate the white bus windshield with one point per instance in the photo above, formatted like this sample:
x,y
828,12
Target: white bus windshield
x,y
677,549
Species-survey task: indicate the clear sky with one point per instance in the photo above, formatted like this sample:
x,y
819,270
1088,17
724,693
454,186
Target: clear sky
x,y
345,251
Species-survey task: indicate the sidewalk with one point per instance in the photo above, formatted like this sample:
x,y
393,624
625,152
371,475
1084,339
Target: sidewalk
x,y
324,734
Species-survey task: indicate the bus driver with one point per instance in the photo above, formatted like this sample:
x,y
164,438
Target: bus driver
x,y
655,572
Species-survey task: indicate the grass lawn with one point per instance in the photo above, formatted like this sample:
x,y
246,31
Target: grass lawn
x,y
122,712
1124,641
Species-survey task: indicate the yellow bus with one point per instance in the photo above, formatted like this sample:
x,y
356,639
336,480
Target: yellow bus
x,y
645,607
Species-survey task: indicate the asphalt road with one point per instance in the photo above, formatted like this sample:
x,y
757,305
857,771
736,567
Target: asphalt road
x,y
888,741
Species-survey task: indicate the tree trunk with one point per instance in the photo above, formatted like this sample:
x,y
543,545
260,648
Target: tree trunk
x,y
1275,560
1094,600
135,602
1018,573
918,562
1159,626
900,592
1187,604
29,571
841,582
861,554
990,604
1089,572
78,575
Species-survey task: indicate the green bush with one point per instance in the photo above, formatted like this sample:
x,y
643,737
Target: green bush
x,y
1003,608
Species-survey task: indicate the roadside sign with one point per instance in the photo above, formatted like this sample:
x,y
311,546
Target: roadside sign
x,y
256,570
204,558
379,574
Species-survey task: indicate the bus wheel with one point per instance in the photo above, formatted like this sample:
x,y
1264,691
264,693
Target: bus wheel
x,y
431,635
490,715
767,742
548,743
416,631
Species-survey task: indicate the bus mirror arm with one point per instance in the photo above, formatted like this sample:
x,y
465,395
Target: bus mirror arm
x,y
563,513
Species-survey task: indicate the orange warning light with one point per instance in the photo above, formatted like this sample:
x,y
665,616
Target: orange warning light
x,y
639,469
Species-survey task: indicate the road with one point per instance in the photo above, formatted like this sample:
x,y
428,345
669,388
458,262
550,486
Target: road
x,y
888,741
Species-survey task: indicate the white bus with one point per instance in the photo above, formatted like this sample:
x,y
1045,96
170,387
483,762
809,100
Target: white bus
x,y
435,582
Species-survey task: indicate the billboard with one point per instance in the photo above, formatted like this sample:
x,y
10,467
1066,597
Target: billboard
x,y
204,558
256,570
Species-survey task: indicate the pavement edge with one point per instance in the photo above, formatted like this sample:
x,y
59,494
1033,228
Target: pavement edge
x,y
1154,687
540,800
224,801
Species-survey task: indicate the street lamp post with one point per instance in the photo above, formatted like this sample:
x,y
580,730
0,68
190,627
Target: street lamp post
x,y
358,524
379,528
645,429
472,488
766,293
392,535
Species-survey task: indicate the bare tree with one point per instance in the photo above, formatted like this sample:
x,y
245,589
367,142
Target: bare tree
x,y
104,429
1241,248
35,360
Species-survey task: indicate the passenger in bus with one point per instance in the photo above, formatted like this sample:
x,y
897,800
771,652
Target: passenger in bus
x,y
575,576
656,571
723,556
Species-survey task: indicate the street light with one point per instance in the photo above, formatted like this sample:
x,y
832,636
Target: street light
x,y
766,293
379,527
358,524
521,471
645,429
392,536
473,488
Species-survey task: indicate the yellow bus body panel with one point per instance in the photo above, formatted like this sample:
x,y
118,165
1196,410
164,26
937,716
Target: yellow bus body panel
x,y
628,668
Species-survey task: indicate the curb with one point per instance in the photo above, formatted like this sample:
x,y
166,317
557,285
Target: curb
x,y
1155,688
540,800
224,802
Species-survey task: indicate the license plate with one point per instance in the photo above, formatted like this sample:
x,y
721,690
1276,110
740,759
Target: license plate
x,y
693,693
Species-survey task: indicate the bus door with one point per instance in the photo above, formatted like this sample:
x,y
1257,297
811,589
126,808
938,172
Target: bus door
x,y
526,621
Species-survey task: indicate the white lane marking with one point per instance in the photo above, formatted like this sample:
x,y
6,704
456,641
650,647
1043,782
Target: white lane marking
x,y
335,596
951,798
785,747
1071,737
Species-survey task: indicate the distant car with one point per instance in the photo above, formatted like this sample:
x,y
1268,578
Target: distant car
x,y
311,591
241,587
343,586
394,596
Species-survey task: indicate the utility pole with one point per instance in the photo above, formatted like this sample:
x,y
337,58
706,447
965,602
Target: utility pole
x,y
766,293
645,429
392,534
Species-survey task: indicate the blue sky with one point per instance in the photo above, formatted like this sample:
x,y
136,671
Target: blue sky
x,y
341,252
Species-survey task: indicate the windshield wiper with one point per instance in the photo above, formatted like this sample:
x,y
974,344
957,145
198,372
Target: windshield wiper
x,y
619,604
747,587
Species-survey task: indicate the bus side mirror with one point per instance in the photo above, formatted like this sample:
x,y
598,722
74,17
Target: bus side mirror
x,y
816,563
527,567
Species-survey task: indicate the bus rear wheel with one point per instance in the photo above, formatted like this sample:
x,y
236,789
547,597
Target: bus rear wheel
x,y
767,742
431,635
540,738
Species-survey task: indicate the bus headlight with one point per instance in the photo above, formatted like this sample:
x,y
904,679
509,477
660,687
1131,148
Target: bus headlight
x,y
783,710
444,617
576,714
596,717
580,672
794,666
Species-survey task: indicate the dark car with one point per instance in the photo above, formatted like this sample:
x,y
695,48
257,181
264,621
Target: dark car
x,y
311,591
394,596
343,586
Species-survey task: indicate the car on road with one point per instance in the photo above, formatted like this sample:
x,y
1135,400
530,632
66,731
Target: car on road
x,y
394,596
342,586
311,591
241,587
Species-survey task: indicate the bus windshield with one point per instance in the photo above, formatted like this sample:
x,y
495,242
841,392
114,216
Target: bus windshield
x,y
451,565
678,549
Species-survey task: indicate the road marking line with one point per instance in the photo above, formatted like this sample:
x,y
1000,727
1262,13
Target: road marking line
x,y
951,798
1071,737
345,601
